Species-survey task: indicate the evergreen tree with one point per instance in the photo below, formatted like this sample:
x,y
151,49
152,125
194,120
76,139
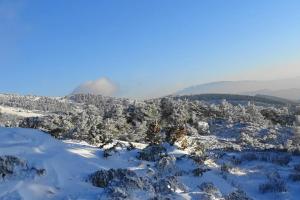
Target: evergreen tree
x,y
153,134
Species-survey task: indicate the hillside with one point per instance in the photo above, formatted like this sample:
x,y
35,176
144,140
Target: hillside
x,y
179,147
283,88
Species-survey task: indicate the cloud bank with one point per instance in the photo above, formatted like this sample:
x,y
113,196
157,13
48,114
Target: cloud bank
x,y
101,86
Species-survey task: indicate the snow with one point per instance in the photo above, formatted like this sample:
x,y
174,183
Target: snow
x,y
65,165
68,164
19,112
203,125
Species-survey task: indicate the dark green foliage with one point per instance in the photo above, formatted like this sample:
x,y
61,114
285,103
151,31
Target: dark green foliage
x,y
153,134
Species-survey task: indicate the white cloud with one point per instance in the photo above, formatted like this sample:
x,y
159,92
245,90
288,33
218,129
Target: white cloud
x,y
102,86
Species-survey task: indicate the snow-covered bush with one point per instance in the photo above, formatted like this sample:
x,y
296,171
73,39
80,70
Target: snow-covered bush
x,y
97,119
176,134
103,178
126,184
237,195
278,116
11,166
153,134
121,184
114,149
203,128
169,185
166,165
211,191
8,120
152,153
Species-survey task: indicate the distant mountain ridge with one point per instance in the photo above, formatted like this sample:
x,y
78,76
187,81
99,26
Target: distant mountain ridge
x,y
283,88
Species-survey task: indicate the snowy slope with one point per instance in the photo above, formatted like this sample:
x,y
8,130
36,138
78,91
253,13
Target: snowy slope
x,y
283,88
63,163
19,112
67,165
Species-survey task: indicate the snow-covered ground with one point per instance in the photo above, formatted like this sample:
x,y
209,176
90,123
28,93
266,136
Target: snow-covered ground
x,y
67,165
19,112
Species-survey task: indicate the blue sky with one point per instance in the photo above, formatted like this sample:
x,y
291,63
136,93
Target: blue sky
x,y
146,48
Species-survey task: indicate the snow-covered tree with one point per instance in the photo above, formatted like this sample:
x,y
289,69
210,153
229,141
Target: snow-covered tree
x,y
297,127
153,134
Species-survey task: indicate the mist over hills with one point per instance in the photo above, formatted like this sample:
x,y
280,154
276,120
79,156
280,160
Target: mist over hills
x,y
282,88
